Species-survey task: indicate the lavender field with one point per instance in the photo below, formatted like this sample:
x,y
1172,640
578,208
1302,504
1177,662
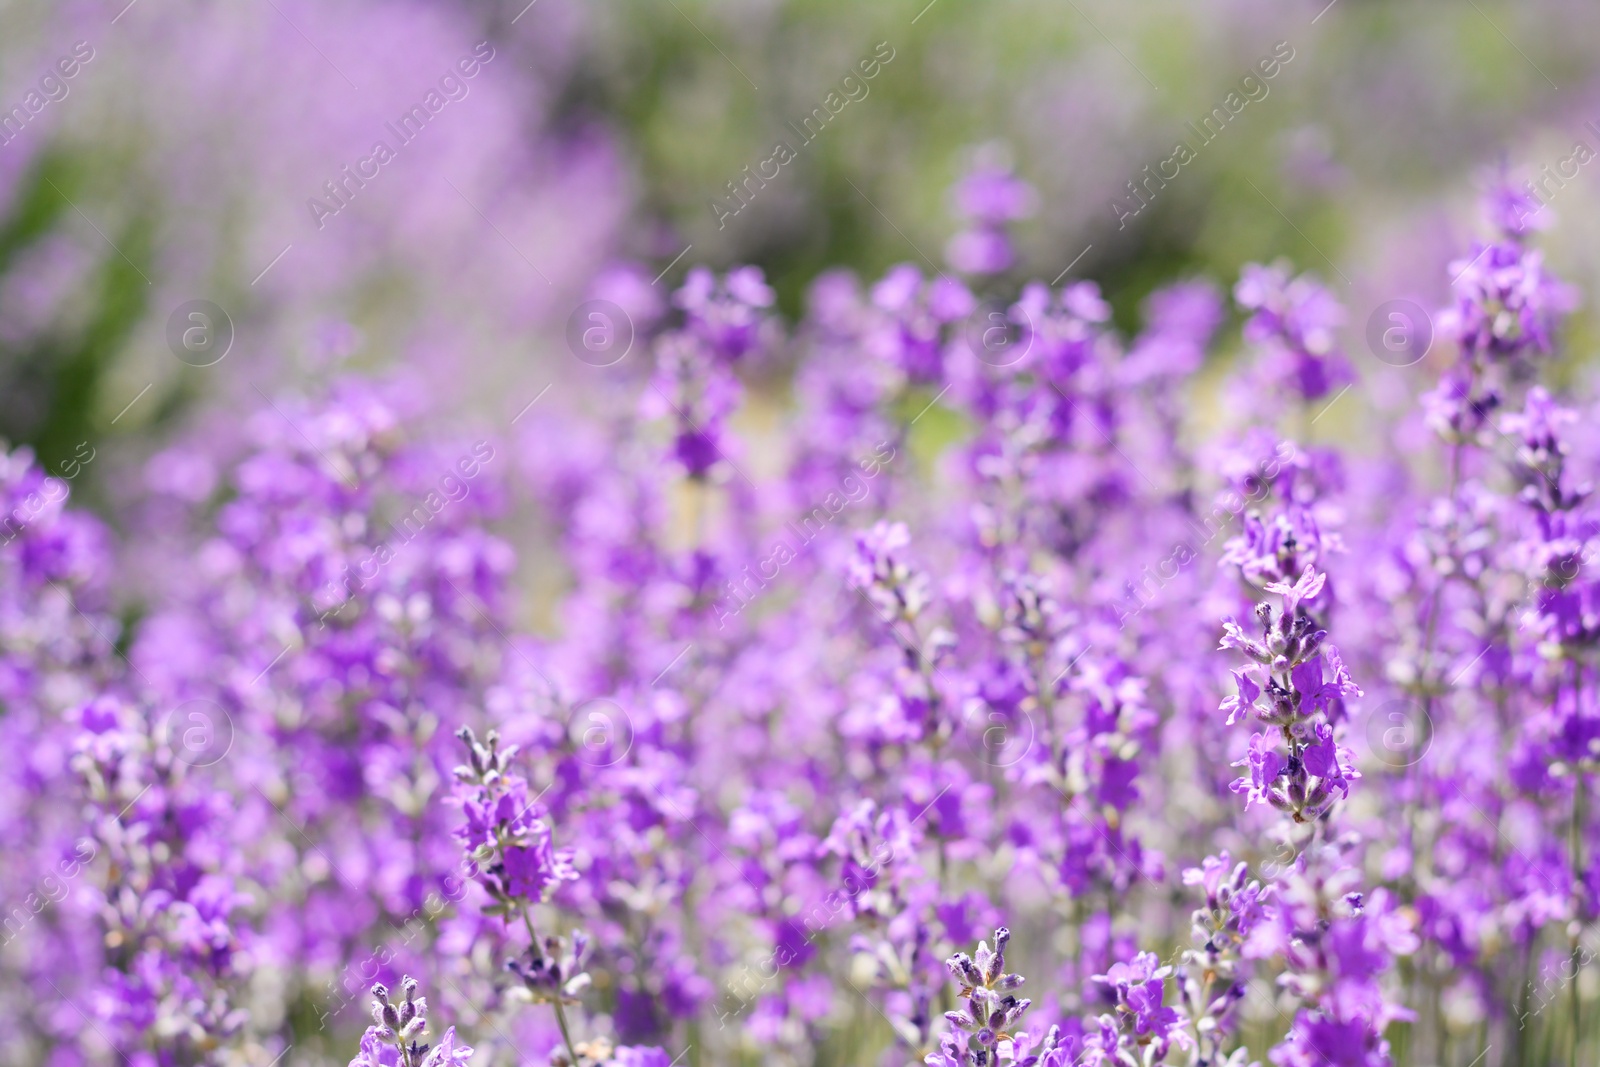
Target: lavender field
x,y
681,533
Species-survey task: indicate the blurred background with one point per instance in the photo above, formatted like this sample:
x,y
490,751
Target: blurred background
x,y
208,155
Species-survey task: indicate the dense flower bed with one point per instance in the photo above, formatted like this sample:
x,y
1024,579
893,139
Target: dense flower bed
x,y
1239,746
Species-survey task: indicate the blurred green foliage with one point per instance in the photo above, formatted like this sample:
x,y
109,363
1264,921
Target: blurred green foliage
x,y
1387,105
49,384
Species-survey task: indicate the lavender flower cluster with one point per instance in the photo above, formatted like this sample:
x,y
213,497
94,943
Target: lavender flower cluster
x,y
1321,800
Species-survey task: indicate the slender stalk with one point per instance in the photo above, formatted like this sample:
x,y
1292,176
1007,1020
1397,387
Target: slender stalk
x,y
1575,998
1547,1038
1415,782
561,1015
1522,1006
699,504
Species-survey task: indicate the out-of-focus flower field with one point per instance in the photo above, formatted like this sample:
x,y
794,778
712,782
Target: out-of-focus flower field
x,y
717,532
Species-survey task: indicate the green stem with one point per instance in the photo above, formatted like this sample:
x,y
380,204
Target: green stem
x,y
1522,1007
561,1015
1580,788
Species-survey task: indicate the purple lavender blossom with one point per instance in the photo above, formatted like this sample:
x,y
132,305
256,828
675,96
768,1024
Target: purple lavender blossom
x,y
768,741
395,1038
987,198
1295,321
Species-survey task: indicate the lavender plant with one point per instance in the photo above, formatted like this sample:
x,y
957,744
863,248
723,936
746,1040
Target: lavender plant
x,y
395,1039
818,701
